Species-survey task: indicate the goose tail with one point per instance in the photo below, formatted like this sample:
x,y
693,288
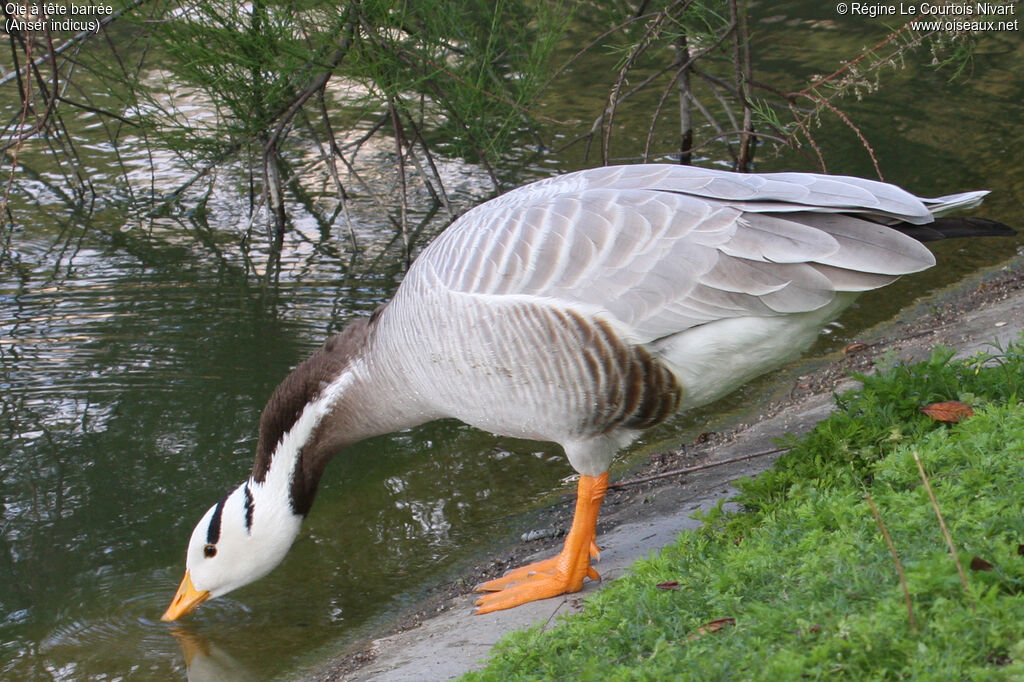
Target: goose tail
x,y
954,227
940,206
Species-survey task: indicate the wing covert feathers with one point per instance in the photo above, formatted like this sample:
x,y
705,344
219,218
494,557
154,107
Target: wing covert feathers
x,y
661,248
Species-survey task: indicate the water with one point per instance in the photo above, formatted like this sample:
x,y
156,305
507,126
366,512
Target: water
x,y
134,361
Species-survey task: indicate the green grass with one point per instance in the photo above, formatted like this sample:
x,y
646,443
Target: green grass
x,y
804,569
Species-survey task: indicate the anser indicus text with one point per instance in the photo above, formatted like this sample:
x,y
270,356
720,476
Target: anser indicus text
x,y
581,309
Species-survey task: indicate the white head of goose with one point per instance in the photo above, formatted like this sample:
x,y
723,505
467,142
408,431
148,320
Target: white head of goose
x,y
581,309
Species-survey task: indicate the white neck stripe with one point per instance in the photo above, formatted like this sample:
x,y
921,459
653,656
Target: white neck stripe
x,y
286,454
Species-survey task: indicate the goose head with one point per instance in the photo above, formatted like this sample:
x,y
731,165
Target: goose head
x,y
237,541
319,408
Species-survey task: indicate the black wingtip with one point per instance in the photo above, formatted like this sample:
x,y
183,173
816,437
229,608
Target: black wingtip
x,y
955,227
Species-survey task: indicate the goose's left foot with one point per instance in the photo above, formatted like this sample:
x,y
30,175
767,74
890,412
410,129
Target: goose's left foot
x,y
561,574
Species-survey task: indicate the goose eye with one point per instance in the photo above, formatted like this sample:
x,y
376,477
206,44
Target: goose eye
x,y
210,551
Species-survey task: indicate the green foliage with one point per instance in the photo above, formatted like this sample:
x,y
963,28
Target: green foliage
x,y
882,415
245,58
476,66
464,71
805,575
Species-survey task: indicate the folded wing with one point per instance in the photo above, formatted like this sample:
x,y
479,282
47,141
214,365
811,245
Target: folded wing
x,y
663,248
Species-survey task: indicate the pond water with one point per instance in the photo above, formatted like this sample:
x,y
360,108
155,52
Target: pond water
x,y
135,357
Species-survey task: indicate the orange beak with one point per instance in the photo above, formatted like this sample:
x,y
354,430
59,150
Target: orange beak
x,y
186,599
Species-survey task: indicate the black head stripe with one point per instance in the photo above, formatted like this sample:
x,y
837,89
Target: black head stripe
x,y
248,509
213,532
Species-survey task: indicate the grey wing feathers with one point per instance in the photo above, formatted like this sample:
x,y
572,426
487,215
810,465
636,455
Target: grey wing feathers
x,y
664,248
769,192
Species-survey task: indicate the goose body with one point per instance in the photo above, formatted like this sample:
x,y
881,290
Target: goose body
x,y
580,309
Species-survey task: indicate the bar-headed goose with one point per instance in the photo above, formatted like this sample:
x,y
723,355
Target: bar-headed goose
x,y
581,309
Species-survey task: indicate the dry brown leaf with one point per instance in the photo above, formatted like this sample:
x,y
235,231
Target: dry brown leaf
x,y
979,564
949,411
855,347
668,585
712,627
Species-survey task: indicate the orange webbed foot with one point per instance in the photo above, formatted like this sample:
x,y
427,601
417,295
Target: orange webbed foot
x,y
560,574
531,588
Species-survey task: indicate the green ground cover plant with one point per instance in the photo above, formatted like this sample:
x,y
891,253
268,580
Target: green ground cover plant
x,y
883,545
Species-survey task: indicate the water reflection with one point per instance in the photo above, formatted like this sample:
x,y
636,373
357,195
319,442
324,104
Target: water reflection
x,y
133,375
206,662
124,398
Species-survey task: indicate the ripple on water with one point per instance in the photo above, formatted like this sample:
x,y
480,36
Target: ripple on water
x,y
123,640
125,637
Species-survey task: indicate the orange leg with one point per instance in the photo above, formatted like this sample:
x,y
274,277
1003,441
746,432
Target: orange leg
x,y
562,573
